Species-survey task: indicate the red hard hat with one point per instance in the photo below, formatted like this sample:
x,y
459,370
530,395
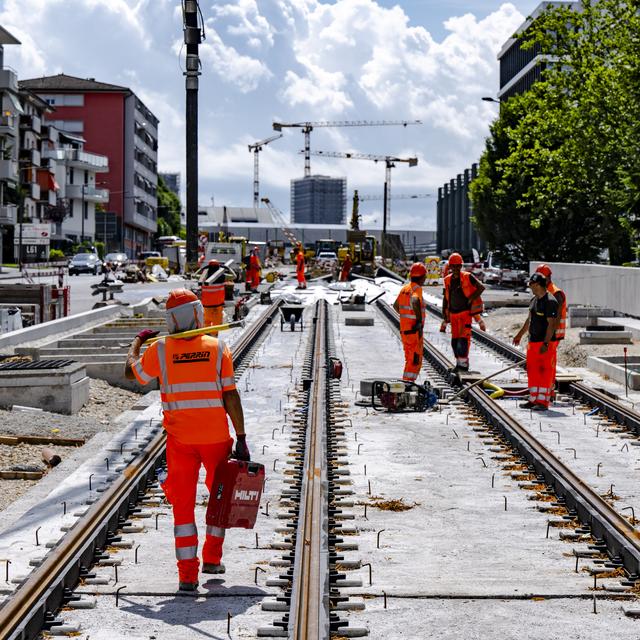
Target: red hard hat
x,y
545,270
455,258
417,270
214,263
179,297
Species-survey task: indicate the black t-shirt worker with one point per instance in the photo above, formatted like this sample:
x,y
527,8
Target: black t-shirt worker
x,y
543,344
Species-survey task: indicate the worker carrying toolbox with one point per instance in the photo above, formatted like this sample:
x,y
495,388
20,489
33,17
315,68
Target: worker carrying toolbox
x,y
461,303
541,323
213,292
561,329
197,389
411,307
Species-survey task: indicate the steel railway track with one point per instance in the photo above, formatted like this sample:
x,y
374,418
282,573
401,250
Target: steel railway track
x,y
613,534
32,608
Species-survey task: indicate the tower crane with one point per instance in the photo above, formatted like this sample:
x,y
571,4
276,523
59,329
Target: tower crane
x,y
256,147
389,163
308,127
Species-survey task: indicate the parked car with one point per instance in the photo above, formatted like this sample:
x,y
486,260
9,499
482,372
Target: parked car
x,y
505,271
116,260
328,256
143,255
85,263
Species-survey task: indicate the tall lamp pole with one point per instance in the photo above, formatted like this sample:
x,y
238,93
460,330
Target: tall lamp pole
x,y
82,215
192,38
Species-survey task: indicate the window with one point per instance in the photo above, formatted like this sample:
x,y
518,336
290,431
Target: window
x,y
70,175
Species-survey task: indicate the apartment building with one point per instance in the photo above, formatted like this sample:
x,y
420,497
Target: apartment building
x,y
105,120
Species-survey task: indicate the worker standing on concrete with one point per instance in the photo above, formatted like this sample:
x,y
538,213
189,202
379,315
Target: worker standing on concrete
x,y
345,272
460,304
411,307
561,329
541,324
198,391
300,267
254,268
212,293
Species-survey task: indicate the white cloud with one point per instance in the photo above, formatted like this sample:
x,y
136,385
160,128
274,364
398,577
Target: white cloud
x,y
230,65
248,22
320,89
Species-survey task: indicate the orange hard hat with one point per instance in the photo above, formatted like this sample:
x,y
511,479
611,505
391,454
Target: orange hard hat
x,y
455,258
545,270
179,297
214,263
417,270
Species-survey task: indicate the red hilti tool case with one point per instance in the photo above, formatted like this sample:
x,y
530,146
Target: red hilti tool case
x,y
235,494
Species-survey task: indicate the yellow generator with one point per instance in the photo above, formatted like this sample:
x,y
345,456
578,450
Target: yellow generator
x,y
162,261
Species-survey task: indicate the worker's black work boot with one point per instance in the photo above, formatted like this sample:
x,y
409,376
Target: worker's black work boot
x,y
188,586
208,567
527,405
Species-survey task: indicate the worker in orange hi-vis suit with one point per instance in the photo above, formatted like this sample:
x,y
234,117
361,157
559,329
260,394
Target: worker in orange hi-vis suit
x,y
561,329
197,389
461,303
300,267
212,293
411,307
541,324
253,274
345,272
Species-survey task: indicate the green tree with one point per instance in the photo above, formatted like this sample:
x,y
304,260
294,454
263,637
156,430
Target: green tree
x,y
559,176
169,208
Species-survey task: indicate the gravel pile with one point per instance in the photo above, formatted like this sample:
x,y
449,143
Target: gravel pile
x,y
105,404
505,323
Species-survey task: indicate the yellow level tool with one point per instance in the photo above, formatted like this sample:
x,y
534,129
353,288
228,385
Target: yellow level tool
x,y
199,332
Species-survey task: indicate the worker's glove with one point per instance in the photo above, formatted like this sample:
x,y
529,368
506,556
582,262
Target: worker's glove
x,y
147,334
242,450
418,328
443,326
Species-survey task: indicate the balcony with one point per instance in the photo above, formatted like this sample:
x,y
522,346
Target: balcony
x,y
32,123
53,154
33,190
48,197
9,170
8,214
88,161
30,156
8,80
135,219
7,125
91,194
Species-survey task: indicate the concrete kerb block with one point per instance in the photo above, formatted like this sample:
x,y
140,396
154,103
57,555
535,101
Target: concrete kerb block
x,y
613,367
359,320
605,337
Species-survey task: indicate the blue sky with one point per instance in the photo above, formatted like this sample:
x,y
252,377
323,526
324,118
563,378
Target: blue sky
x,y
292,60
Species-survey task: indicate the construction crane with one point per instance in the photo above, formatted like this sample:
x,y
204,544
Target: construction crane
x,y
389,163
308,127
256,147
280,220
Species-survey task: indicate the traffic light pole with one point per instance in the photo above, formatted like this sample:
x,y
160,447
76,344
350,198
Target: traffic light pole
x,y
192,39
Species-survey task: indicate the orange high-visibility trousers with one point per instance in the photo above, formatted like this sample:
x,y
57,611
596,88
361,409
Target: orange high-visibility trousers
x,y
183,468
302,281
412,344
255,279
540,372
461,337
213,316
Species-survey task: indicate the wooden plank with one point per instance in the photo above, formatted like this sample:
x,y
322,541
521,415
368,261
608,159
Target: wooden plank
x,y
63,442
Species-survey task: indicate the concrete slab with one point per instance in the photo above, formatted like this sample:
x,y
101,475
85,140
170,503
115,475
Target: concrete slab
x,y
359,320
630,324
605,337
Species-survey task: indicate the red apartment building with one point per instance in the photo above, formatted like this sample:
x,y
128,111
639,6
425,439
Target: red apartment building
x,y
113,122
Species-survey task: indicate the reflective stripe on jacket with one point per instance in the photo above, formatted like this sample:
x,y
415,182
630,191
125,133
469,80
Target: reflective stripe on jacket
x,y
192,374
212,295
562,317
477,306
407,314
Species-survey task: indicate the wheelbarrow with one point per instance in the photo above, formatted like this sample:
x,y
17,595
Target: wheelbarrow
x,y
291,314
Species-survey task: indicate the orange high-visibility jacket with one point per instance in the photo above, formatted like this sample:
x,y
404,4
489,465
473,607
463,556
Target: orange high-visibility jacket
x,y
467,289
300,261
562,317
212,293
407,314
192,375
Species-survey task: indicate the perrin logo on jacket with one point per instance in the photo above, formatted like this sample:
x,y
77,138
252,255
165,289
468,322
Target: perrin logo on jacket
x,y
195,356
243,494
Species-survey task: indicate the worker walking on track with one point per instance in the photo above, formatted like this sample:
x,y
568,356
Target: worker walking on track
x,y
253,270
198,391
561,329
411,307
541,324
461,303
300,267
212,293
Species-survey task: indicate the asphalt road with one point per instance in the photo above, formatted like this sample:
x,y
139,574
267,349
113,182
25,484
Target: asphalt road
x,y
81,292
